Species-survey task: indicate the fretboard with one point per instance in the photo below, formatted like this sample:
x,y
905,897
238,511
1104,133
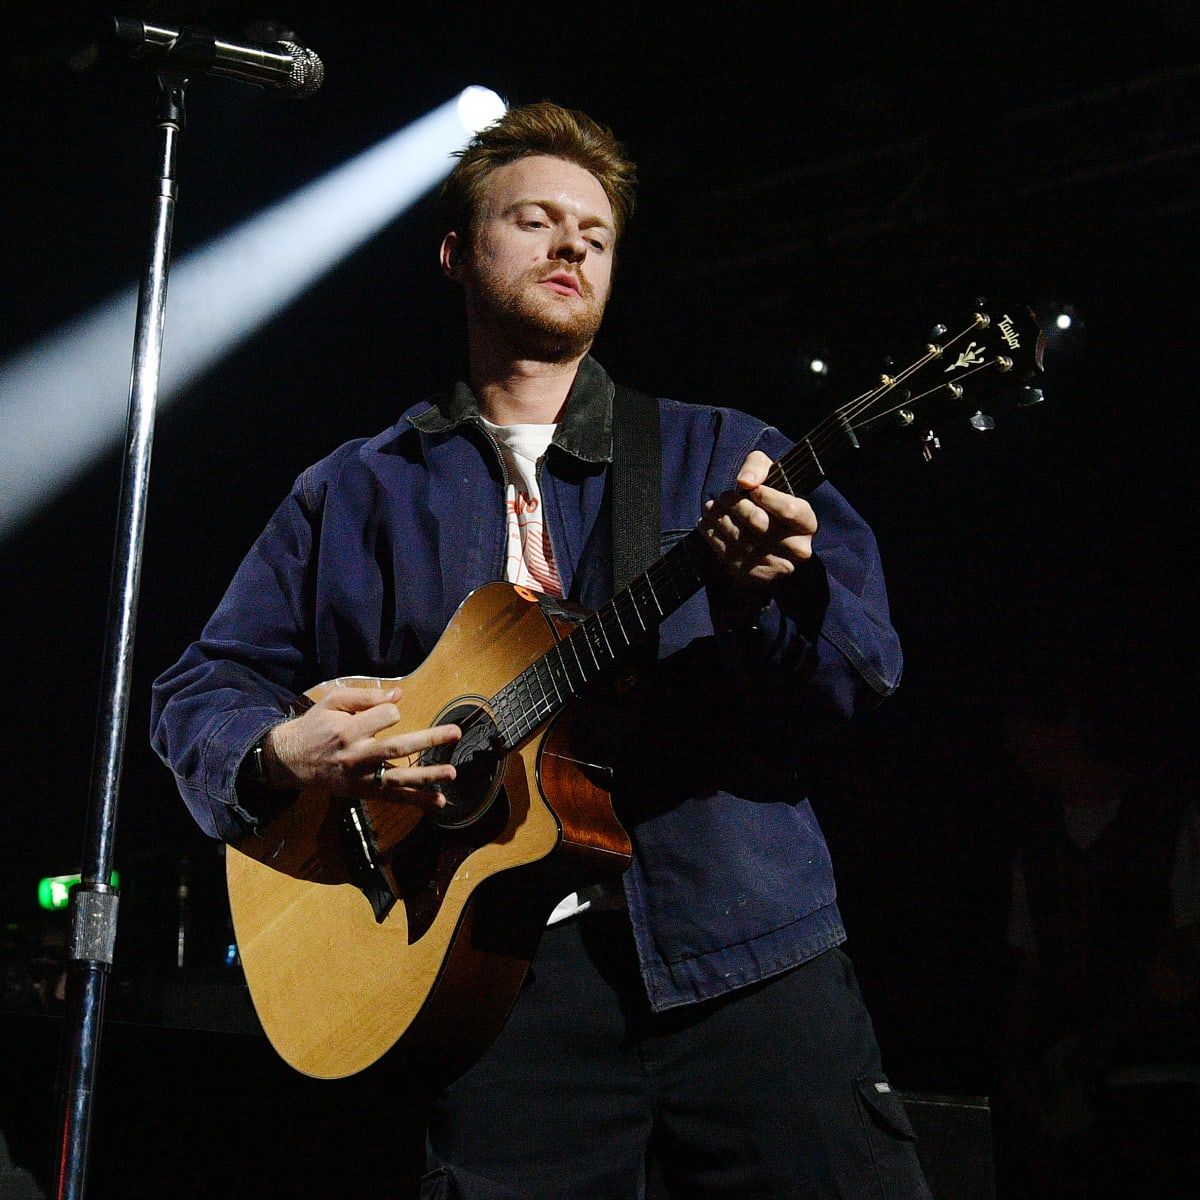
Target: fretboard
x,y
604,638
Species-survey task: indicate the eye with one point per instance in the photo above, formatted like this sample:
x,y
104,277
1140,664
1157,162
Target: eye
x,y
532,223
597,245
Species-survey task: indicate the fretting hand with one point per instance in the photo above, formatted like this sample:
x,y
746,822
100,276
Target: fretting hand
x,y
760,534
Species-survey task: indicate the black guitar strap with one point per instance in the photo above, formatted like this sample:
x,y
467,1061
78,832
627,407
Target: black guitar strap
x,y
636,484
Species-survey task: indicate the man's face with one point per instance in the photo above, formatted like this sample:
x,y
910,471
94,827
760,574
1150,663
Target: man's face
x,y
539,272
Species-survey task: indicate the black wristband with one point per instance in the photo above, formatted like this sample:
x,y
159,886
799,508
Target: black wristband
x,y
258,761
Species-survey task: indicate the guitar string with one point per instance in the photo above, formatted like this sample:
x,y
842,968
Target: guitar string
x,y
827,431
828,427
538,709
824,434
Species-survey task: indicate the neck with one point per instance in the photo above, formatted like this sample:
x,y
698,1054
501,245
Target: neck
x,y
515,391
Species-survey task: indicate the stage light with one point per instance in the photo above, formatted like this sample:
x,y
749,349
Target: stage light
x,y
809,364
478,107
54,891
1060,322
63,400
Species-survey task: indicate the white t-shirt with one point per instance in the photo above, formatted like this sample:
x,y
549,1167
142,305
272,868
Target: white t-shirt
x,y
529,562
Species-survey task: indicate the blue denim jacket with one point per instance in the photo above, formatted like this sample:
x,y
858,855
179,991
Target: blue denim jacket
x,y
366,561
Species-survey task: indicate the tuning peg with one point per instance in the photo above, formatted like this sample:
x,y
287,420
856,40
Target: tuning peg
x,y
939,330
982,421
1030,396
929,443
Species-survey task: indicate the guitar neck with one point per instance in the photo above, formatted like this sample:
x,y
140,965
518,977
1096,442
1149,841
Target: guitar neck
x,y
605,638
1009,347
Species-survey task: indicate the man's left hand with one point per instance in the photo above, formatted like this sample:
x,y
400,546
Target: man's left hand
x,y
759,534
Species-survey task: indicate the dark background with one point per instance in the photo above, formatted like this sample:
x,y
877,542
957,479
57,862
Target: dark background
x,y
824,179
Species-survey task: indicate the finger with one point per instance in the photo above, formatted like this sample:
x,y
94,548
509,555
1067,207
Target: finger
x,y
722,515
401,745
369,722
420,785
798,548
356,699
771,567
426,798
415,777
782,506
754,470
715,537
749,518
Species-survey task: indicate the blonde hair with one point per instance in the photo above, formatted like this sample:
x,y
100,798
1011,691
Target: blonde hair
x,y
542,128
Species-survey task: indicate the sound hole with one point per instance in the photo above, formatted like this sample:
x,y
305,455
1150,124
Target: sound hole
x,y
478,762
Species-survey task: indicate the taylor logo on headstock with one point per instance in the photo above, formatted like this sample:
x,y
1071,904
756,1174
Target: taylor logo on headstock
x,y
972,356
1009,333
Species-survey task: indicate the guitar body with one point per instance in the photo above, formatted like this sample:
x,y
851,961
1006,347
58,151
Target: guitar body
x,y
363,924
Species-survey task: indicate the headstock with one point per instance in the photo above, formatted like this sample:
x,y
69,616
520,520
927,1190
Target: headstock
x,y
999,350
999,346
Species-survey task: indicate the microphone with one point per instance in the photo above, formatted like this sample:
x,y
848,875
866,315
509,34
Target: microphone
x,y
284,67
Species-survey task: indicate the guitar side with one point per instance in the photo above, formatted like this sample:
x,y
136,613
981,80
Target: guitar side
x,y
334,987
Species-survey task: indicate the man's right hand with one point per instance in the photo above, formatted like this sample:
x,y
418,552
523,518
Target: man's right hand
x,y
334,744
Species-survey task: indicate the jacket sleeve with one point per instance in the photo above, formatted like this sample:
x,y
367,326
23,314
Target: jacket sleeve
x,y
240,678
829,622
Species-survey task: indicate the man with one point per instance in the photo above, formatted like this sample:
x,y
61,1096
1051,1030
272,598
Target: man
x,y
1102,1037
701,1005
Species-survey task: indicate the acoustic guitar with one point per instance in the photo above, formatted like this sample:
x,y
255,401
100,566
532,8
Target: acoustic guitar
x,y
367,925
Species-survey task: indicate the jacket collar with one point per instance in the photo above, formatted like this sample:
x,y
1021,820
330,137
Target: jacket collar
x,y
585,431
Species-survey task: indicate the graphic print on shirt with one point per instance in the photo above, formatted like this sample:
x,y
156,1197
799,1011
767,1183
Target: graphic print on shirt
x,y
529,559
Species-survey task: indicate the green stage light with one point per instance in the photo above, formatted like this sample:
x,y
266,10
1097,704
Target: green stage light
x,y
55,890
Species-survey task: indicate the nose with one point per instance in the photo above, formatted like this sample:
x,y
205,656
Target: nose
x,y
570,245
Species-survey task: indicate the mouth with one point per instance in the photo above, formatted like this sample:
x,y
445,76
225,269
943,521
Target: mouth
x,y
564,283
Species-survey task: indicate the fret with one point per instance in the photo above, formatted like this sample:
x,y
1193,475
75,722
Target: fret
x,y
539,677
500,709
631,592
658,608
801,468
597,619
525,694
557,666
676,589
777,478
815,460
502,706
554,694
583,635
573,643
611,607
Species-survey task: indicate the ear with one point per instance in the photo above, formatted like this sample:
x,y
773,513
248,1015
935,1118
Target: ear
x,y
451,256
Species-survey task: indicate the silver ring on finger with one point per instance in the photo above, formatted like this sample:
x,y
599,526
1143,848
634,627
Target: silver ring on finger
x,y
380,772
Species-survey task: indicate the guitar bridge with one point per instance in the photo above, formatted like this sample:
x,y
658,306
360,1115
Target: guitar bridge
x,y
362,860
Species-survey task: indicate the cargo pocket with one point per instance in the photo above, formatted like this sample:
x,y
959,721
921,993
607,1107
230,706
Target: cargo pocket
x,y
446,1183
892,1141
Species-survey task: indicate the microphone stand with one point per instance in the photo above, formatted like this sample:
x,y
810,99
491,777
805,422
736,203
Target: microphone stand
x,y
94,901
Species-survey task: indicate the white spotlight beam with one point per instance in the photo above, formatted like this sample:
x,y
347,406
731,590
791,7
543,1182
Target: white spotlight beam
x,y
63,400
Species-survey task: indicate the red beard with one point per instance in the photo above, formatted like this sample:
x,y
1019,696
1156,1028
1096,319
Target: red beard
x,y
534,322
